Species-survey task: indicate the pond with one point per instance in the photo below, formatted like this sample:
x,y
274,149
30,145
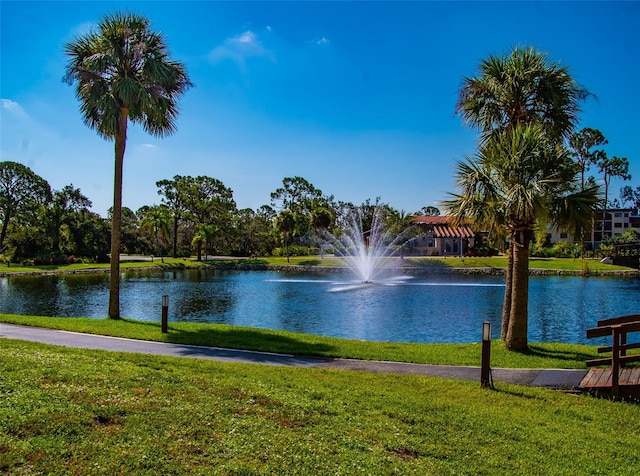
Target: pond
x,y
437,308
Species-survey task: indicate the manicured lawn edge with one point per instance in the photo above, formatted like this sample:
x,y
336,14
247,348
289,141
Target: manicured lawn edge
x,y
408,265
547,355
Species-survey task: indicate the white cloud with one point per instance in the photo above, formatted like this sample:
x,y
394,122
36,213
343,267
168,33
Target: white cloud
x,y
13,108
323,41
239,48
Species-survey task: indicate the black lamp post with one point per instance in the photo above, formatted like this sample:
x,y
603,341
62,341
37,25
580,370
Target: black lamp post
x,y
165,314
485,370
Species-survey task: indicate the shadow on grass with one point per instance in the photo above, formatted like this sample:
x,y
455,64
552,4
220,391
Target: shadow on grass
x,y
246,339
310,262
230,337
558,354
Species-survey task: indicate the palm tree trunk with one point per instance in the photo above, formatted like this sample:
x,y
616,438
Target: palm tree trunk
x,y
286,247
175,236
506,306
116,218
518,320
5,224
158,246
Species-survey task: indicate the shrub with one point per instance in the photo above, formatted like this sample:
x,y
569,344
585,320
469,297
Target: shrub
x,y
562,249
294,250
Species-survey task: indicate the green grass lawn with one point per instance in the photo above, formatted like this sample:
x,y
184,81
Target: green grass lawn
x,y
495,262
169,263
547,355
82,412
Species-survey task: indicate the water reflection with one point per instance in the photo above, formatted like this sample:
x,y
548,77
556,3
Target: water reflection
x,y
432,309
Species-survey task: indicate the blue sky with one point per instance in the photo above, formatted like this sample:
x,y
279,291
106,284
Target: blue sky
x,y
356,97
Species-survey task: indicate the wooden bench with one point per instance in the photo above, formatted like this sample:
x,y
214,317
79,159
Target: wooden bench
x,y
617,376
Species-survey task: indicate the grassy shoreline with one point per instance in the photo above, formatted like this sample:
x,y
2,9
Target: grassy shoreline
x,y
539,355
496,264
550,355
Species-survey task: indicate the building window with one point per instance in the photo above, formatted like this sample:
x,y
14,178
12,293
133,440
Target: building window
x,y
617,225
563,235
618,214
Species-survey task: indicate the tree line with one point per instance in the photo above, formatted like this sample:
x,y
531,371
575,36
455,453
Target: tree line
x,y
196,216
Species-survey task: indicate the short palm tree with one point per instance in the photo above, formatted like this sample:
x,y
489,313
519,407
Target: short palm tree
x,y
122,72
511,94
204,237
520,181
285,223
157,220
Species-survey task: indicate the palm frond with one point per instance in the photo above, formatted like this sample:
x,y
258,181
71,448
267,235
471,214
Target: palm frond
x,y
124,65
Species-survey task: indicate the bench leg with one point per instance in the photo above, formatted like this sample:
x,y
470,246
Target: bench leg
x,y
615,363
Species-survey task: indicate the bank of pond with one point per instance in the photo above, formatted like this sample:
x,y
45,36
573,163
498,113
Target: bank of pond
x,y
398,307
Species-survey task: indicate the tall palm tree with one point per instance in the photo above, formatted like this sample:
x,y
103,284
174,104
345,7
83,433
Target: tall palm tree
x,y
157,220
510,93
520,88
122,72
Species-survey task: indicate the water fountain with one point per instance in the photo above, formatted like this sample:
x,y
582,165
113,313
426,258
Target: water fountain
x,y
367,253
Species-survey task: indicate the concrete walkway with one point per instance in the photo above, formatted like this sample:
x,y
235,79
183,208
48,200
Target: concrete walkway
x,y
551,378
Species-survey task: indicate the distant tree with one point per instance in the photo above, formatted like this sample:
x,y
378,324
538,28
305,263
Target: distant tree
x,y
429,211
22,194
610,168
130,222
92,236
581,144
399,221
368,211
286,224
630,196
156,220
62,219
207,201
254,234
172,198
203,238
122,71
298,196
321,218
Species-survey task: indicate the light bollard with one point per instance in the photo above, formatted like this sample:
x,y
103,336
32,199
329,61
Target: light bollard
x,y
165,314
485,370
